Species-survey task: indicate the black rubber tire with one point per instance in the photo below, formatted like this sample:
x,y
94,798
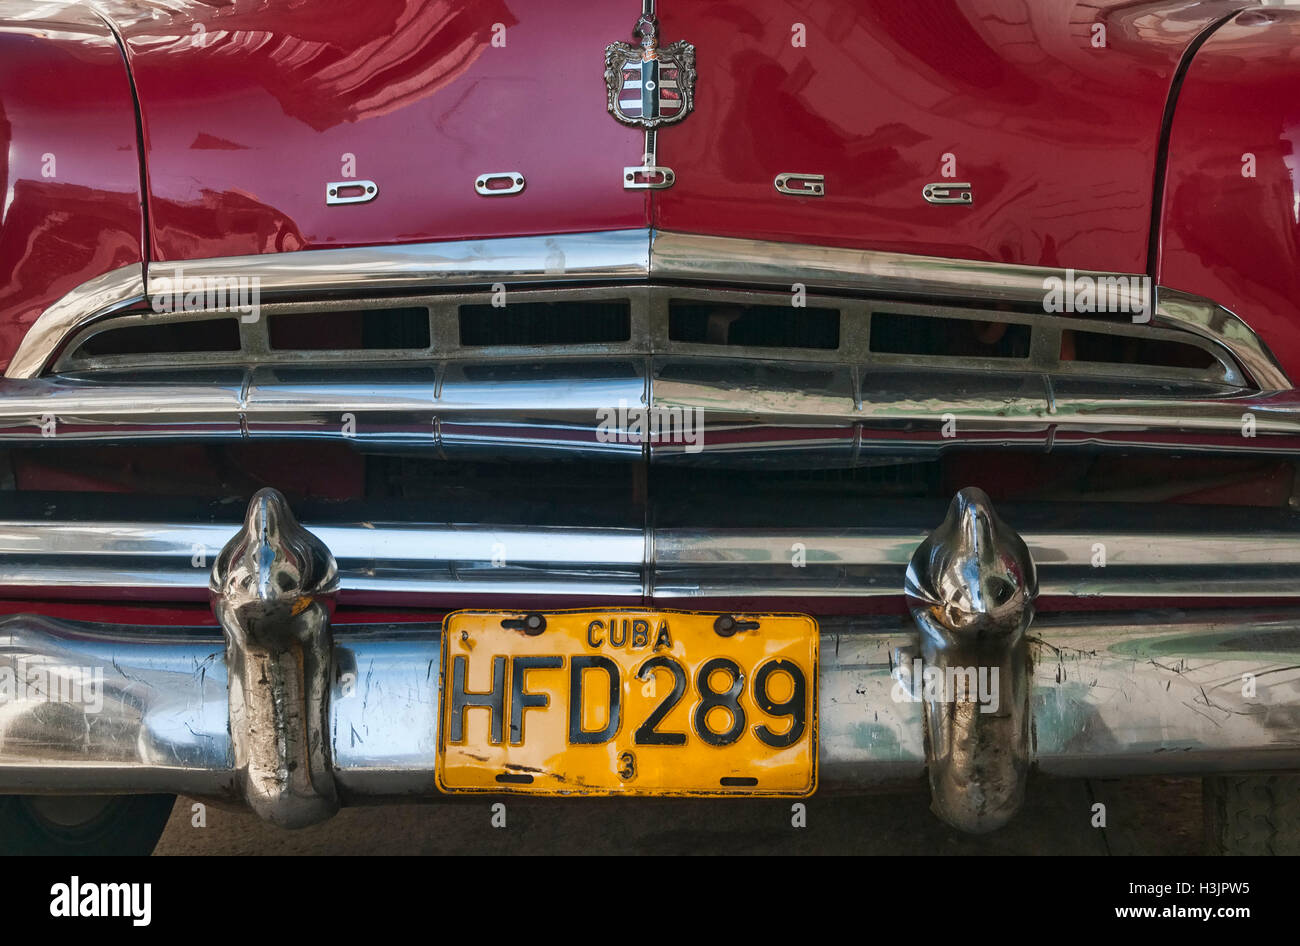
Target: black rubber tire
x,y
127,825
1252,814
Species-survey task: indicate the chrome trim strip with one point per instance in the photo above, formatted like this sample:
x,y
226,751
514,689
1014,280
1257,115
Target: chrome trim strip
x,y
163,724
1202,317
1160,559
621,255
608,255
749,412
697,257
94,299
374,559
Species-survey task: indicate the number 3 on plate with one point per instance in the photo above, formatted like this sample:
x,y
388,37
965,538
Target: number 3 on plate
x,y
627,766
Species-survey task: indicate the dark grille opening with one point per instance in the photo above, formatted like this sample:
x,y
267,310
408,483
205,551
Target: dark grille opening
x,y
951,338
758,326
896,478
512,371
546,323
165,338
1132,350
351,330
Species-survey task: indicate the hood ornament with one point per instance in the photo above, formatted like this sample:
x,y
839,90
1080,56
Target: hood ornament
x,y
648,87
651,85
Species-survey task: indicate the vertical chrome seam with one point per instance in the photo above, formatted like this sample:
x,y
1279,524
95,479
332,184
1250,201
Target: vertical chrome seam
x,y
1162,142
244,387
145,227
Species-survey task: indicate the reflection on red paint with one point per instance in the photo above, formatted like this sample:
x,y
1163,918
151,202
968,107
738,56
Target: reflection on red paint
x,y
1226,235
69,167
247,120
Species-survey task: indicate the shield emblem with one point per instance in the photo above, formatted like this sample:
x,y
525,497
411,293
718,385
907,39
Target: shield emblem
x,y
650,85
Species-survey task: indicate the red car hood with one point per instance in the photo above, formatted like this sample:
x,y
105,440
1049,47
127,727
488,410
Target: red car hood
x,y
1050,110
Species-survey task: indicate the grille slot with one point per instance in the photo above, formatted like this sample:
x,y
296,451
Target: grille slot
x,y
362,329
948,338
759,326
1131,350
209,335
545,323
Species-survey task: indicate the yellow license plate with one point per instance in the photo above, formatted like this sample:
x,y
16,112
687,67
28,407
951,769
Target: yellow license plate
x,y
628,702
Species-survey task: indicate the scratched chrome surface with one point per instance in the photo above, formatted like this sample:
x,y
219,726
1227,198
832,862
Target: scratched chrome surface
x,y
1139,693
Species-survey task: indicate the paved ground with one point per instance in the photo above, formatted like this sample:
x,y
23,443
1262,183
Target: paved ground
x,y
1143,816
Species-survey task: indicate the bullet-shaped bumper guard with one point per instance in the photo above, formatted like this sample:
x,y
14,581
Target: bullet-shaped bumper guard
x,y
971,587
273,589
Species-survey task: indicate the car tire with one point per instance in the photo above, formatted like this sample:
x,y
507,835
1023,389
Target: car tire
x,y
1252,814
83,825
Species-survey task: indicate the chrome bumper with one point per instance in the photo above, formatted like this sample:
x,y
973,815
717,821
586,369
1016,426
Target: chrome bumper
x,y
325,713
1151,692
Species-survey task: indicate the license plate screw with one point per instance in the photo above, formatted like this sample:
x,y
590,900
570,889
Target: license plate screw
x,y
726,625
531,624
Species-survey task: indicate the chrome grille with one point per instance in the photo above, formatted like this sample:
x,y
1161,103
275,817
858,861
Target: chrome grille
x,y
622,320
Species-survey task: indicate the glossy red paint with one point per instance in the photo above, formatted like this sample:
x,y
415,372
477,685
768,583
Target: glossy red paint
x,y
114,612
1224,234
69,164
1057,136
249,110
